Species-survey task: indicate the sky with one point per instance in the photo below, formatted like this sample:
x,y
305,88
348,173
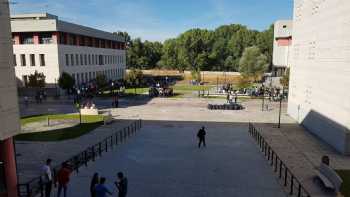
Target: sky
x,y
158,20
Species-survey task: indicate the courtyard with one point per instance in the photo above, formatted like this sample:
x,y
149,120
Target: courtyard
x,y
163,160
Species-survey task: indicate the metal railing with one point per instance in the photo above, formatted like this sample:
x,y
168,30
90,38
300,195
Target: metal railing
x,y
292,185
35,187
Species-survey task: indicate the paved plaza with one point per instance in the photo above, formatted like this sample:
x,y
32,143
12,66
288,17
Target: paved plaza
x,y
163,160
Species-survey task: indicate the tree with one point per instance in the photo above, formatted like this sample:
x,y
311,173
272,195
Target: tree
x,y
253,63
36,80
66,81
285,79
101,80
218,50
134,78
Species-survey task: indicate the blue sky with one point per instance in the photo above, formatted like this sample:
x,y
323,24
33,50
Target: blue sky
x,y
161,19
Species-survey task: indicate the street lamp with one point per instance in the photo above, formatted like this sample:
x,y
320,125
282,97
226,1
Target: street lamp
x,y
280,111
263,98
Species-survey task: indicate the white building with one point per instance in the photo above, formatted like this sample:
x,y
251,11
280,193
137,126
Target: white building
x,y
282,46
46,44
320,75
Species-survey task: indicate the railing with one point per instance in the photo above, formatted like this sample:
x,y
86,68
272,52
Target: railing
x,y
289,181
35,187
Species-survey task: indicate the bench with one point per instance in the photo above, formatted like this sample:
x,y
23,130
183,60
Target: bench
x,y
329,177
107,119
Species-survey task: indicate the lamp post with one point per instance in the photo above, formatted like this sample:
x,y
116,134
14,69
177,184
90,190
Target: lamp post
x,y
280,111
263,97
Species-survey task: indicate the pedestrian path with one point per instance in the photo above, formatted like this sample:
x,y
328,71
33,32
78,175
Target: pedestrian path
x,y
163,160
293,156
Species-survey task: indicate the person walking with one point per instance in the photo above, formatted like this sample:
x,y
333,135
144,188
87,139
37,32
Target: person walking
x,y
122,185
47,177
201,137
94,182
63,179
101,190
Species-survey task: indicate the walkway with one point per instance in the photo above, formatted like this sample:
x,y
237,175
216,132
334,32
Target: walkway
x,y
163,161
294,146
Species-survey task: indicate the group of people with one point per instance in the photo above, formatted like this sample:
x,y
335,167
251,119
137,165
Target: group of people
x,y
62,177
99,189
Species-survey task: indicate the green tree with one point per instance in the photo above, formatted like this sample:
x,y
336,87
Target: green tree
x,y
66,81
253,63
134,78
285,79
36,80
101,81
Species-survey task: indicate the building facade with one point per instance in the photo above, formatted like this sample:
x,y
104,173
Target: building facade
x,y
320,74
282,46
45,44
9,112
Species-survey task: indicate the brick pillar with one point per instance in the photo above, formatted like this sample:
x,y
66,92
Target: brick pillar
x,y
67,38
36,38
17,39
77,40
7,155
55,37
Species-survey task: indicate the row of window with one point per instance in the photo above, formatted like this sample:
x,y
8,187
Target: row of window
x,y
92,59
88,76
31,59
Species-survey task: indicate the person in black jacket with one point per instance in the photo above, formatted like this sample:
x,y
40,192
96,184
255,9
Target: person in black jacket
x,y
122,185
94,182
201,137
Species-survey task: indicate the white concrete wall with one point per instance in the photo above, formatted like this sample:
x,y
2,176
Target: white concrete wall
x,y
51,68
9,113
55,59
320,75
281,54
119,64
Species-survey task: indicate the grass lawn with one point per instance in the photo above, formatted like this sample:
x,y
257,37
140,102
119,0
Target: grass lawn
x,y
89,123
345,175
191,88
138,90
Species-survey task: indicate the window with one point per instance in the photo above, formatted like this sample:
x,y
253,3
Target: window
x,y
2,178
27,38
42,59
89,59
14,60
93,59
100,60
77,59
284,26
85,59
45,38
81,59
23,60
32,60
71,59
67,60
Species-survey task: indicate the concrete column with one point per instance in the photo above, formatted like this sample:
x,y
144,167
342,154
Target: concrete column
x,y
55,37
7,155
17,39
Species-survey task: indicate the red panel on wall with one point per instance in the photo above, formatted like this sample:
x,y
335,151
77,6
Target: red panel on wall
x,y
284,41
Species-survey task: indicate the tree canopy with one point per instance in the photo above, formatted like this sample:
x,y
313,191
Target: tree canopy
x,y
36,80
201,49
253,63
66,81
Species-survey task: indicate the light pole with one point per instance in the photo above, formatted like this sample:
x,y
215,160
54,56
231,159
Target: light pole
x,y
263,98
280,112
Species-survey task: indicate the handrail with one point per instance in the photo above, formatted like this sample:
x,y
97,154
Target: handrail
x,y
290,182
35,186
